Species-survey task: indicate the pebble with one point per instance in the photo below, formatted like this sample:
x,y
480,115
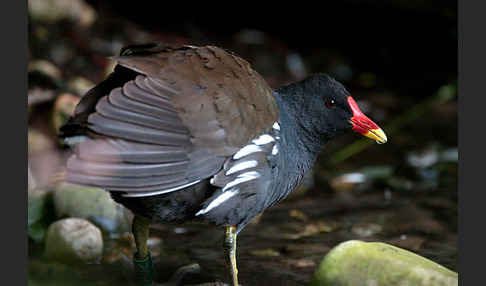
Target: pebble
x,y
74,240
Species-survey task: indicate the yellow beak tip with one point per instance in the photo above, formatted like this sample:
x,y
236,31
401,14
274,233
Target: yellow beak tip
x,y
378,135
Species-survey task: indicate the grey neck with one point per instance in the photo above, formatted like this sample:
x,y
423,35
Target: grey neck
x,y
298,150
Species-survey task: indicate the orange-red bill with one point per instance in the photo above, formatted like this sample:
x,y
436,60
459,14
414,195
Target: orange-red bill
x,y
365,126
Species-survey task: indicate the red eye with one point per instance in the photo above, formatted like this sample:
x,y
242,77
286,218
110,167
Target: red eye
x,y
330,103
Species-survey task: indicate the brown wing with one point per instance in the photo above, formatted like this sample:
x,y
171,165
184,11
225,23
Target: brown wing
x,y
223,102
170,126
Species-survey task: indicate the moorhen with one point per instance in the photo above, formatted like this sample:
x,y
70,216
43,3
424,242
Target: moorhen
x,y
194,133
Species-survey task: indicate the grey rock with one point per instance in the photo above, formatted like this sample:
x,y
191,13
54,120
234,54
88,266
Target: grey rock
x,y
74,240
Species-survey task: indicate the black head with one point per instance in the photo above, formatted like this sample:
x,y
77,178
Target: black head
x,y
325,109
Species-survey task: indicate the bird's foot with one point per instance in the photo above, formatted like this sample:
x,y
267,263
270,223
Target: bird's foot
x,y
144,270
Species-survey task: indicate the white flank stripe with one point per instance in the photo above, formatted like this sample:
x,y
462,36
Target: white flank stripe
x,y
248,176
275,150
276,126
218,200
263,139
247,150
241,166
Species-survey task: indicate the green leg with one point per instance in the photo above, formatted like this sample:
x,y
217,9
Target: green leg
x,y
230,251
142,260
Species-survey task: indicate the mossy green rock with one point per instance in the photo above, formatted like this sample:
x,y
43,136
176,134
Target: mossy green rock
x,y
40,214
93,204
355,263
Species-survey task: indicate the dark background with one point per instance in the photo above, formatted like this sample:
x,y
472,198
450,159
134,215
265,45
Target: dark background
x,y
407,41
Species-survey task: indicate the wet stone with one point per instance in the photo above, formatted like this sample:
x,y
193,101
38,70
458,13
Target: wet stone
x,y
93,204
374,263
40,214
74,240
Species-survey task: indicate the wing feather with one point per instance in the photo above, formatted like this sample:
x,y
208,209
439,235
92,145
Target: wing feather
x,y
174,119
108,110
135,132
121,169
141,146
116,150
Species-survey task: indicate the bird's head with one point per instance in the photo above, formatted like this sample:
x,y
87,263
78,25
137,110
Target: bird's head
x,y
329,110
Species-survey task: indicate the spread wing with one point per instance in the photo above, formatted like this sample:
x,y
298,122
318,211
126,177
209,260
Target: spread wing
x,y
173,124
222,101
